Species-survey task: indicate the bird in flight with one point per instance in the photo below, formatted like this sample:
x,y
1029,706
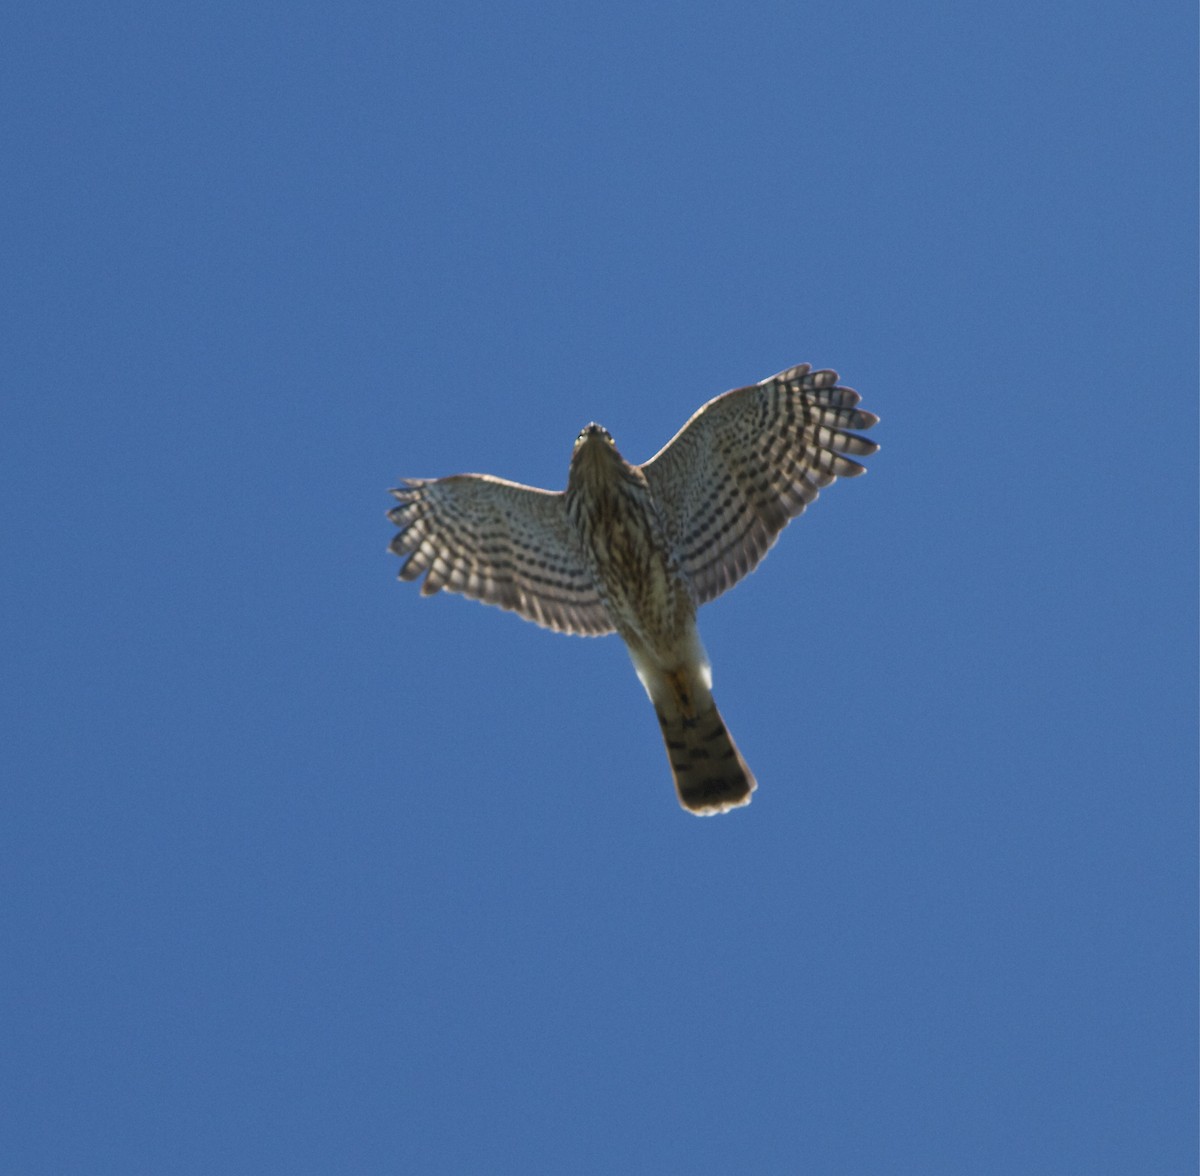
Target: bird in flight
x,y
637,549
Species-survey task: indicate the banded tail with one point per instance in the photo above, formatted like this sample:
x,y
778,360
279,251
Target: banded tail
x,y
710,774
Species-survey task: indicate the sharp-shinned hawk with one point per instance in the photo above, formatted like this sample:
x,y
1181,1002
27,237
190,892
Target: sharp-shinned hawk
x,y
637,549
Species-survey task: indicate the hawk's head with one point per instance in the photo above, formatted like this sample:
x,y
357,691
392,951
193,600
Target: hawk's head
x,y
595,456
593,432
593,443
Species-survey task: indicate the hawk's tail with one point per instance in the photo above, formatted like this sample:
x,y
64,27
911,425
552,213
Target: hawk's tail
x,y
710,774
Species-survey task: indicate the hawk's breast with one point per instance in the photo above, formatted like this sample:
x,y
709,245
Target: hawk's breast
x,y
636,572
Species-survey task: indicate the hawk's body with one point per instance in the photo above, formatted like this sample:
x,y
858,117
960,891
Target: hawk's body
x,y
637,549
647,596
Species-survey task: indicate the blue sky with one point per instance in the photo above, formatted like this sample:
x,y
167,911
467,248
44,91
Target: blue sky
x,y
304,873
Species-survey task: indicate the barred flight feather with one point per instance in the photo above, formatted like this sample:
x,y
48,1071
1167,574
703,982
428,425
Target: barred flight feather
x,y
498,542
747,463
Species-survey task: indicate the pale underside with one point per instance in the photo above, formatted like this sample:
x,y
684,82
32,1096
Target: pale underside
x,y
725,485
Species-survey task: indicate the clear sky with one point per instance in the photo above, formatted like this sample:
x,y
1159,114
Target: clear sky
x,y
304,873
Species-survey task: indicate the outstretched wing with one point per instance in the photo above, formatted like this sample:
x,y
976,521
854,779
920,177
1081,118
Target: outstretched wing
x,y
499,542
748,462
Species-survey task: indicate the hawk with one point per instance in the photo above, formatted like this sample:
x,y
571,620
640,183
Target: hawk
x,y
637,549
